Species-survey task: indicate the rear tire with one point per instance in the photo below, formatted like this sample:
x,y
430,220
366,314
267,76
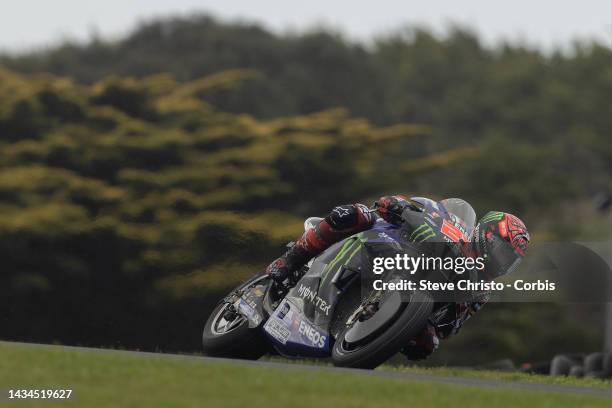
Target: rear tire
x,y
238,342
370,355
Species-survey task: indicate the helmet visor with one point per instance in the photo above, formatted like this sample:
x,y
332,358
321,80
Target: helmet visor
x,y
501,258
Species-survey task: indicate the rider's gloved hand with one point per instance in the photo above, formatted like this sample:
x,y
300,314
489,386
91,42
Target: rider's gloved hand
x,y
390,208
423,345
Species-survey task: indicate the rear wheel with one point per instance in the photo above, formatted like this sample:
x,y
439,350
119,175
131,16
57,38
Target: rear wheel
x,y
370,352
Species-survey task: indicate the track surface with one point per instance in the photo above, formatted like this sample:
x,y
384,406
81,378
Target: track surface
x,y
465,381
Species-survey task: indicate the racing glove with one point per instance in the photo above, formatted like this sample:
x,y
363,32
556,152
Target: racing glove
x,y
390,208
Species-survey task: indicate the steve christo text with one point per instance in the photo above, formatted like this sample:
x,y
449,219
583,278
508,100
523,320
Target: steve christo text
x,y
458,265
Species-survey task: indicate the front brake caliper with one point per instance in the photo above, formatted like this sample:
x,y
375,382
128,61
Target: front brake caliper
x,y
366,310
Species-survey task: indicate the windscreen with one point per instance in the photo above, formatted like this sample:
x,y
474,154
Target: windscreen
x,y
461,209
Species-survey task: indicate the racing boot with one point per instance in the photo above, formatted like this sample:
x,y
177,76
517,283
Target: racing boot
x,y
296,257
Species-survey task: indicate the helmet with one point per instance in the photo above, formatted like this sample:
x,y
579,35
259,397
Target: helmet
x,y
501,239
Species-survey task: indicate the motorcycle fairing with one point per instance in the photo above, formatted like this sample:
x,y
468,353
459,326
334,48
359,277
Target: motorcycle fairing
x,y
300,324
293,334
250,304
331,271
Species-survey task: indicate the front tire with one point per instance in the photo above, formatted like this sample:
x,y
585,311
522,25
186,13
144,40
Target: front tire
x,y
375,352
231,338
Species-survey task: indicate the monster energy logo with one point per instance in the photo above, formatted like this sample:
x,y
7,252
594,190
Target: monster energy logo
x,y
422,232
492,216
350,248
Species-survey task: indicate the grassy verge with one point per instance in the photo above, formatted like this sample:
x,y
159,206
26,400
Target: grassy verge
x,y
133,380
506,376
474,373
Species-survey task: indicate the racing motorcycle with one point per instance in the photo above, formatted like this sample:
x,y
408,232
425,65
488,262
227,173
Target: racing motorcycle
x,y
331,309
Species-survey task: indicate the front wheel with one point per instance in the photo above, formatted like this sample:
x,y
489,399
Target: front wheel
x,y
377,350
227,334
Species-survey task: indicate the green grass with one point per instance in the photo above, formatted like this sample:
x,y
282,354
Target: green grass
x,y
120,379
506,376
473,373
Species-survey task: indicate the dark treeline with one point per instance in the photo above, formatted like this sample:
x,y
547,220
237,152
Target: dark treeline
x,y
468,94
142,178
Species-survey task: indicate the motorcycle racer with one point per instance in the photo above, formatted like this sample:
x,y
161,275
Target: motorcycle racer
x,y
500,238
